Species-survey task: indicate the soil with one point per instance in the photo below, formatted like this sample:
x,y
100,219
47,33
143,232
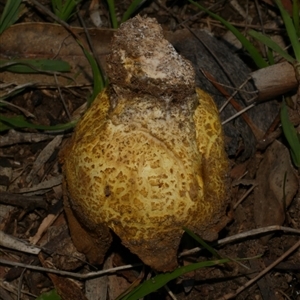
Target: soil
x,y
264,182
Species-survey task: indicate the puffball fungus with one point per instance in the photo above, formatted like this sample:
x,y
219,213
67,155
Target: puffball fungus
x,y
148,156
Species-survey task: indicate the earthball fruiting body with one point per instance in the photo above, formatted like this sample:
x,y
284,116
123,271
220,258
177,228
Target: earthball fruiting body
x,y
147,158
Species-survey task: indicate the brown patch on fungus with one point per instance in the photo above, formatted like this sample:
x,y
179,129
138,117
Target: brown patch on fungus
x,y
143,61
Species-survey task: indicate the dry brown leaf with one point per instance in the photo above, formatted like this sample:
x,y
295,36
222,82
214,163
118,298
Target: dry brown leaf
x,y
43,157
116,284
51,41
97,288
274,172
65,256
67,288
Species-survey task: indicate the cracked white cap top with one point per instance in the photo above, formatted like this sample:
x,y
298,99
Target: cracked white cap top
x,y
143,61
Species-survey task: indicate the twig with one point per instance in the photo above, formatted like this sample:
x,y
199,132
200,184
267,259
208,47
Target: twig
x,y
235,4
262,273
24,111
238,114
256,131
20,284
66,273
26,202
11,242
42,186
43,157
46,223
62,98
244,196
171,294
243,235
237,90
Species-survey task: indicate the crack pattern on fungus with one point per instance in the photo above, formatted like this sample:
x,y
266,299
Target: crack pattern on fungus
x,y
148,156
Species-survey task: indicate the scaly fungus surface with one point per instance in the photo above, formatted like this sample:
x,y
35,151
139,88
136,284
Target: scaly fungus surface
x,y
148,156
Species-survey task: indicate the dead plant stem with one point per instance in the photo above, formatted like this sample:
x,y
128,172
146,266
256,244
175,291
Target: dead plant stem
x,y
262,273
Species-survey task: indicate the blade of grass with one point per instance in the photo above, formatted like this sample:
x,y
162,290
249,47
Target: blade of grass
x,y
112,13
34,65
4,127
155,283
291,30
202,243
51,295
296,20
291,135
20,122
131,9
56,7
257,58
69,9
270,56
10,14
64,10
98,78
272,45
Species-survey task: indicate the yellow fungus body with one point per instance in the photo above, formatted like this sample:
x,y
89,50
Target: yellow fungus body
x,y
145,165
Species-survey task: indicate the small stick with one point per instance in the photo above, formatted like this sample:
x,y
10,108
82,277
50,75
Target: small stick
x,y
243,235
66,273
262,273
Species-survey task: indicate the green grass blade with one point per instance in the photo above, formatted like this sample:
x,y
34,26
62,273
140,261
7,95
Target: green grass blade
x,y
155,283
131,9
257,58
56,6
34,65
271,44
291,135
202,243
296,20
10,14
291,30
51,295
4,127
20,122
270,57
64,10
98,78
69,9
112,13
